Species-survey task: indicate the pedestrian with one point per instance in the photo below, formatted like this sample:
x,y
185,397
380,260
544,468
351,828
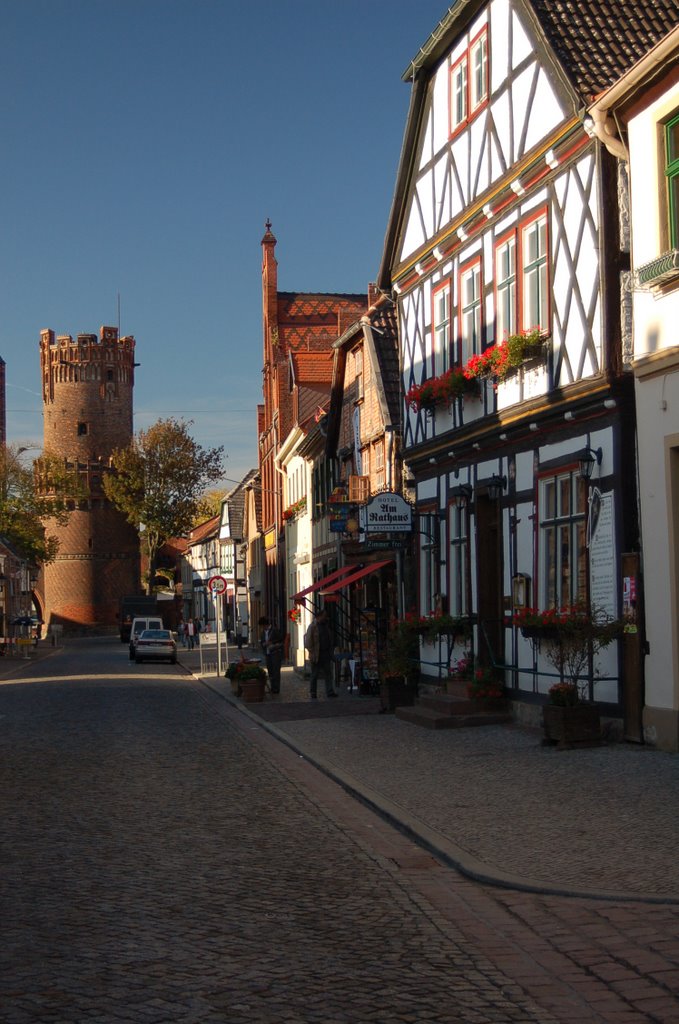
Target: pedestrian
x,y
272,645
190,634
197,626
318,643
181,632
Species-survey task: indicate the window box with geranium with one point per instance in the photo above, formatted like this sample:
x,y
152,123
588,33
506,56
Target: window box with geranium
x,y
499,361
293,511
441,391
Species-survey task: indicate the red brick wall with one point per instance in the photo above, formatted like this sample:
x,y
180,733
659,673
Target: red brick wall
x,y
87,404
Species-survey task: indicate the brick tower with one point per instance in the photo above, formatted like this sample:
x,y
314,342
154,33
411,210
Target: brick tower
x,y
87,386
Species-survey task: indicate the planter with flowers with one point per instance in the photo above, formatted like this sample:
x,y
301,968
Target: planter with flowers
x,y
485,688
400,665
571,638
293,511
441,391
499,361
295,614
248,680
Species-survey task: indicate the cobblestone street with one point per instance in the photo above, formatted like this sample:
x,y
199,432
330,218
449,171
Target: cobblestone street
x,y
165,859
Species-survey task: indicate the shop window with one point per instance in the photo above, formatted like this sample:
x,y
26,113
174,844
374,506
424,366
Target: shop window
x,y
562,543
429,547
458,565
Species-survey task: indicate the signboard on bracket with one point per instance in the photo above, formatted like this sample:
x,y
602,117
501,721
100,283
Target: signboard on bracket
x,y
386,513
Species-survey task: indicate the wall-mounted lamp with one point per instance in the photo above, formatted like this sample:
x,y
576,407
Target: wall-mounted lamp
x,y
586,460
463,495
533,426
496,486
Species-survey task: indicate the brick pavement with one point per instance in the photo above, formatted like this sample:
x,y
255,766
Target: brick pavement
x,y
159,865
206,871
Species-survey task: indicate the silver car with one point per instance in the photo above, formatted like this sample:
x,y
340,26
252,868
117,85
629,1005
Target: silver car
x,y
155,643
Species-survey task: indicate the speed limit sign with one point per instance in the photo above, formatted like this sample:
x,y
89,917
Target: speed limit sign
x,y
217,585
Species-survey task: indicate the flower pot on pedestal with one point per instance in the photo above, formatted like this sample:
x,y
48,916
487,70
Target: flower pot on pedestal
x,y
252,690
567,727
396,692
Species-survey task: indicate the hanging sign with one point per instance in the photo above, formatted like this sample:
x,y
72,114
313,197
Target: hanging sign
x,y
387,513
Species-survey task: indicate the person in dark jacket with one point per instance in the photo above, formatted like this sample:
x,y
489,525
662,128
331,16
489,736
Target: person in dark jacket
x,y
272,645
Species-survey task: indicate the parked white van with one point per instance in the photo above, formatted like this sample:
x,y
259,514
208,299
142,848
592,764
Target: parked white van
x,y
139,624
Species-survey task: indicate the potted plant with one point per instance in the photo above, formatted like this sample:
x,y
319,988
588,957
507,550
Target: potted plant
x,y
485,688
571,639
248,680
399,665
461,674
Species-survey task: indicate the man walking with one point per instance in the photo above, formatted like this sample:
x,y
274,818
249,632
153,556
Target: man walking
x,y
272,645
318,642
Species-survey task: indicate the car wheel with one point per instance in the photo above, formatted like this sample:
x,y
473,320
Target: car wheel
x,y
173,661
138,661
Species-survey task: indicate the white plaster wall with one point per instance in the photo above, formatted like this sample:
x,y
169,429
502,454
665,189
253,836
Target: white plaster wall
x,y
654,425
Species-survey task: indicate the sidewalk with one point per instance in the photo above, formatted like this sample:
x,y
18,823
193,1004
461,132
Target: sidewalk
x,y
493,802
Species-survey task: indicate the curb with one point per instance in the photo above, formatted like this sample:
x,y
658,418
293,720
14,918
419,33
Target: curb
x,y
440,846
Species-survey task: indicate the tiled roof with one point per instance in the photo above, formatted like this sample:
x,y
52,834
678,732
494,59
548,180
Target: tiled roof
x,y
236,502
309,321
204,530
596,41
312,367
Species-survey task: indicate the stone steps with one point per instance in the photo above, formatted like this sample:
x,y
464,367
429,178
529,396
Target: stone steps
x,y
453,711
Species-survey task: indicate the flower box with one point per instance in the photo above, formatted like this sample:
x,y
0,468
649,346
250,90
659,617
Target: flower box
x,y
568,727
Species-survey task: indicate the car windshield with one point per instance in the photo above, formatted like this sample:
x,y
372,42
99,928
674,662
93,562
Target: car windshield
x,y
155,634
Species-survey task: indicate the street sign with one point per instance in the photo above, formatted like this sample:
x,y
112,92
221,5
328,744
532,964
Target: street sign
x,y
217,585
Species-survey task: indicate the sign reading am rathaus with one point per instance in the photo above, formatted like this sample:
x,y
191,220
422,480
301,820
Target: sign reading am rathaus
x,y
386,513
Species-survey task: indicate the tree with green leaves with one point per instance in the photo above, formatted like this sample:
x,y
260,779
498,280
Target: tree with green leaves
x,y
158,482
30,496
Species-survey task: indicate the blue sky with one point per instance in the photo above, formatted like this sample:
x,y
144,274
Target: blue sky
x,y
144,145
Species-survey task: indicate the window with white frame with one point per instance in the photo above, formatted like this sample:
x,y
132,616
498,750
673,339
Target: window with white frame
x,y
429,546
505,288
470,310
458,95
378,463
441,327
672,175
478,78
562,546
534,273
458,567
469,78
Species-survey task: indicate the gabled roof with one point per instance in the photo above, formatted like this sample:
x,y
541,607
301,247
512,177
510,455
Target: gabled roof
x,y
381,344
589,44
595,41
204,531
235,500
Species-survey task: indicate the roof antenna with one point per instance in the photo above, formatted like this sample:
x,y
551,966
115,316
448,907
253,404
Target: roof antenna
x,y
118,314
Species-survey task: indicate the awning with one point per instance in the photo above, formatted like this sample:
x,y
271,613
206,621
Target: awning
x,y
355,575
330,578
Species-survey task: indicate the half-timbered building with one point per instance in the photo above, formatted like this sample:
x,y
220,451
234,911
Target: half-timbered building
x,y
503,247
